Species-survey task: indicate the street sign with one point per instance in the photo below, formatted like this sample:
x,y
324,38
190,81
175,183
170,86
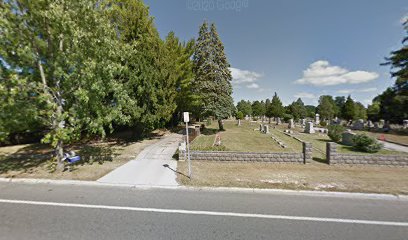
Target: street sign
x,y
186,117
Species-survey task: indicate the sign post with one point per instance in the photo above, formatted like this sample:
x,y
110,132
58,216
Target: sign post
x,y
186,120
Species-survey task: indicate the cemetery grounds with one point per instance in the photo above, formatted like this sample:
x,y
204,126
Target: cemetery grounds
x,y
317,175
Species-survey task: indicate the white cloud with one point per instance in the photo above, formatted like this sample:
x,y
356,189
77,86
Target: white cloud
x,y
321,73
244,76
305,95
253,85
364,90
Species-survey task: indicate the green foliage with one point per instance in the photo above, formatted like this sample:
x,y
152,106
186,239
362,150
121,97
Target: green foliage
x,y
365,143
327,107
373,111
310,111
258,108
275,109
323,123
239,115
298,109
245,107
349,111
360,111
335,132
208,122
340,102
18,105
287,117
213,77
394,100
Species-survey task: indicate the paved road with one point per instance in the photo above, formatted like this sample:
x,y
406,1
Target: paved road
x,y
44,211
153,166
395,147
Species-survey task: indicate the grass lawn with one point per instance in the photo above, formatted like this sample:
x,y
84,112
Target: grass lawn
x,y
319,141
97,159
244,139
315,176
392,137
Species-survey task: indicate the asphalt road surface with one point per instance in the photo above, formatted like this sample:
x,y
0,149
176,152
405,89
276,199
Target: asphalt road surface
x,y
45,211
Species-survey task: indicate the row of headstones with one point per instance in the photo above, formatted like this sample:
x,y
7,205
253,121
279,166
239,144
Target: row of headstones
x,y
360,124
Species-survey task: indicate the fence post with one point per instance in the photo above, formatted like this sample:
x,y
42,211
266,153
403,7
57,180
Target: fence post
x,y
307,152
331,149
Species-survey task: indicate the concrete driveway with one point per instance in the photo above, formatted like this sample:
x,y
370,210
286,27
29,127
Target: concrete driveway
x,y
153,166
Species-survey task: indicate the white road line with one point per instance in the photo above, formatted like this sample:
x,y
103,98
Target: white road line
x,y
208,213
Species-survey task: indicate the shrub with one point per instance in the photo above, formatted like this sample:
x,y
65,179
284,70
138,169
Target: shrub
x,y
208,122
323,124
365,143
239,115
287,117
335,132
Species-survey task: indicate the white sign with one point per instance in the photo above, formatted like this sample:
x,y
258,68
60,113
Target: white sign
x,y
186,117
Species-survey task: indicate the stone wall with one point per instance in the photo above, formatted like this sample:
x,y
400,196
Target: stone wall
x,y
368,159
303,157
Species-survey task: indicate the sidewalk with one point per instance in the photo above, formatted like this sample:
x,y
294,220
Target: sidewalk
x,y
154,166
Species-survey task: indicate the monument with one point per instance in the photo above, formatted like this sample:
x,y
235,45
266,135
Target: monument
x,y
358,125
309,128
291,124
405,124
347,138
317,119
278,121
266,129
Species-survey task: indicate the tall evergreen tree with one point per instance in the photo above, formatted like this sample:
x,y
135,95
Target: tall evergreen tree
x,y
257,109
297,109
349,112
276,108
327,108
212,75
394,100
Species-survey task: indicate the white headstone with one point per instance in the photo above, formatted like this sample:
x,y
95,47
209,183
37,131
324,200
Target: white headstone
x,y
291,124
405,124
309,127
317,119
266,128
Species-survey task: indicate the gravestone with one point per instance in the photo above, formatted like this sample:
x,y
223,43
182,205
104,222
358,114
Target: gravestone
x,y
376,125
381,123
260,127
266,129
405,124
278,121
291,124
370,124
317,119
303,121
347,138
309,128
358,125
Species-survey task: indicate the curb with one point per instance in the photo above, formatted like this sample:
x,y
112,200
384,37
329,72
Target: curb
x,y
374,196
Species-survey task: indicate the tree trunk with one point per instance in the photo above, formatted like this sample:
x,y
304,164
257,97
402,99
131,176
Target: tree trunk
x,y
59,153
220,125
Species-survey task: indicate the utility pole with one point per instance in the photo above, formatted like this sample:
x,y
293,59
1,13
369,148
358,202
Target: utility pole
x,y
186,120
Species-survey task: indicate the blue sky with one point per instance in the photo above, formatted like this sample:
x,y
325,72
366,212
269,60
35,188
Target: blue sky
x,y
298,48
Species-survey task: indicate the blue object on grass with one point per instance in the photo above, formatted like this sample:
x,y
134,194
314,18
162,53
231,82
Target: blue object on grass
x,y
73,159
